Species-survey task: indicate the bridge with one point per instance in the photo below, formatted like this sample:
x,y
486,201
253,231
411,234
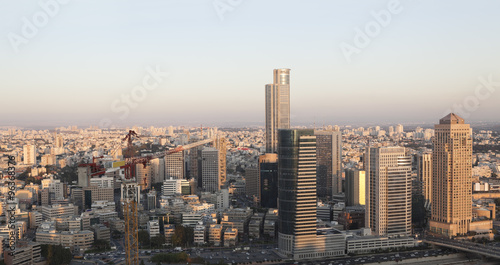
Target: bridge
x,y
471,247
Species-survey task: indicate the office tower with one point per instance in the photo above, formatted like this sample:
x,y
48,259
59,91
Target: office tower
x,y
329,162
277,107
355,187
84,175
29,154
451,177
170,131
268,180
151,200
143,175
424,174
174,166
252,183
298,236
296,189
157,170
210,172
388,204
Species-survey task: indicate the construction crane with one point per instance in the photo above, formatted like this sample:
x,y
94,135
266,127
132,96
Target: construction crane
x,y
130,197
131,193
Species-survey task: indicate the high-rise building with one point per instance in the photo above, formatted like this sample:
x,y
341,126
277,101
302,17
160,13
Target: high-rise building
x,y
298,235
388,199
296,190
174,166
252,183
268,178
277,107
355,180
451,177
329,162
424,174
221,145
143,174
157,170
29,154
210,171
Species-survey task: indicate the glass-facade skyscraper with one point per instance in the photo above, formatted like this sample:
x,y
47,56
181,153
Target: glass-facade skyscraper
x,y
277,107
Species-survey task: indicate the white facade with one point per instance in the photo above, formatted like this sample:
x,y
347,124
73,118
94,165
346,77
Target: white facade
x,y
388,204
102,182
153,228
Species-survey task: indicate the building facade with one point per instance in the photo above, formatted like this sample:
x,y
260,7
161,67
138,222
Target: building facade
x,y
451,177
329,162
277,107
388,204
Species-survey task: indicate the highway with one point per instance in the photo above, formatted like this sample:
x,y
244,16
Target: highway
x,y
485,250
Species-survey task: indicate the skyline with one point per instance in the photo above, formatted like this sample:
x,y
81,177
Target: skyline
x,y
73,70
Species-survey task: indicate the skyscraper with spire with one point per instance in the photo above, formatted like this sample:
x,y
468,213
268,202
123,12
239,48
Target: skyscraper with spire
x,y
277,107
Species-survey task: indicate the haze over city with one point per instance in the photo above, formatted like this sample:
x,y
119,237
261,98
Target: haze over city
x,y
429,56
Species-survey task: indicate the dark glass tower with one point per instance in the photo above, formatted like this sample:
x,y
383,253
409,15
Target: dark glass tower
x,y
296,190
268,172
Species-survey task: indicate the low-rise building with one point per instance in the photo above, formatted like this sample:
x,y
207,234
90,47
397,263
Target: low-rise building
x,y
230,237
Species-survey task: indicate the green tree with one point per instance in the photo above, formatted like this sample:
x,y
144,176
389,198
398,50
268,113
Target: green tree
x,y
56,254
183,236
101,245
158,241
142,262
144,239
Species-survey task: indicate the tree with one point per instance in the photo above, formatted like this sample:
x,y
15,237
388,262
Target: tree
x,y
183,236
144,239
56,255
101,245
142,262
158,241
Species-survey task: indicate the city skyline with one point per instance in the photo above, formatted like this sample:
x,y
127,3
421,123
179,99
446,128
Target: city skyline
x,y
419,67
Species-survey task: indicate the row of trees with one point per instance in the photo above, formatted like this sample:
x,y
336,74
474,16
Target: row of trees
x,y
56,254
182,237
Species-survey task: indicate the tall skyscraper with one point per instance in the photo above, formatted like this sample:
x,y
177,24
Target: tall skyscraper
x,y
424,174
296,190
174,165
388,204
298,236
29,154
268,178
355,181
451,177
277,107
329,162
252,183
210,171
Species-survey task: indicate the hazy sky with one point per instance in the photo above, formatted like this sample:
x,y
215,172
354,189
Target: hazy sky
x,y
73,63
